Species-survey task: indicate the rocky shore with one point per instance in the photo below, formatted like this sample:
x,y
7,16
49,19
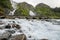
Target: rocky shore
x,y
25,17
8,32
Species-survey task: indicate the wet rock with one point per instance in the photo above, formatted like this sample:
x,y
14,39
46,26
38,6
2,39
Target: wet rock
x,y
34,18
40,18
4,39
16,26
2,27
18,37
48,20
8,26
26,17
2,17
20,31
13,21
11,31
1,23
44,39
5,36
29,36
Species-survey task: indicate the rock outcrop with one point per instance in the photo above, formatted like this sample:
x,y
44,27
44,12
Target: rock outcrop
x,y
16,26
19,37
5,36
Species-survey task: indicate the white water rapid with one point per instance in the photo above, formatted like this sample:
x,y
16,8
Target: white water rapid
x,y
37,29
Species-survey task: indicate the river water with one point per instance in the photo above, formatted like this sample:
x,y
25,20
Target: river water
x,y
37,29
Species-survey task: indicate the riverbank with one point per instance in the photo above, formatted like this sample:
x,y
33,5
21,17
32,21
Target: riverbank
x,y
25,17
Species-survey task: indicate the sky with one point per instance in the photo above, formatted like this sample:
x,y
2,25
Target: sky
x,y
51,3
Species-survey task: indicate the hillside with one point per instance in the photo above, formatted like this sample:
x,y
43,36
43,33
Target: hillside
x,y
23,9
5,7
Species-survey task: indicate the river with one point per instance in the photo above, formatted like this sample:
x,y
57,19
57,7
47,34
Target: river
x,y
37,29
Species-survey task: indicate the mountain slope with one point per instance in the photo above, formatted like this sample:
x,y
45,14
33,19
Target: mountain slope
x,y
45,11
23,9
5,6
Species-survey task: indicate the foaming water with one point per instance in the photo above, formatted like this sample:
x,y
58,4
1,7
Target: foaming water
x,y
36,29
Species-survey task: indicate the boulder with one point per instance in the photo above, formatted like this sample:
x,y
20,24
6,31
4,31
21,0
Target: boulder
x,y
16,26
8,26
5,36
2,17
4,39
29,36
18,37
34,18
21,31
11,31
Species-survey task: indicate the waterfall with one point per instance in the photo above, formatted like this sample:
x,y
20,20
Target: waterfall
x,y
12,12
31,13
14,5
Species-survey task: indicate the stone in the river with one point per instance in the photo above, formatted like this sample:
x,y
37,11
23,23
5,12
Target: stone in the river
x,y
18,37
34,18
11,31
26,17
21,31
13,21
1,23
44,39
4,39
5,36
8,26
16,26
2,17
29,36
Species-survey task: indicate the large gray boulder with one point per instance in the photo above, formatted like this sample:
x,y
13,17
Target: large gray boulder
x,y
4,35
16,26
18,37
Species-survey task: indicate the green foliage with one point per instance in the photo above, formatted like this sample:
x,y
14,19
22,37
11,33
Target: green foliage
x,y
44,10
23,9
41,10
5,4
1,11
21,12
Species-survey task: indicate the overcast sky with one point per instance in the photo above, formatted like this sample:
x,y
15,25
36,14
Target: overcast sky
x,y
51,3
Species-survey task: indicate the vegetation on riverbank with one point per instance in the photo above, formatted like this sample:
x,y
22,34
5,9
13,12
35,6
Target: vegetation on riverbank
x,y
5,6
23,9
41,10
